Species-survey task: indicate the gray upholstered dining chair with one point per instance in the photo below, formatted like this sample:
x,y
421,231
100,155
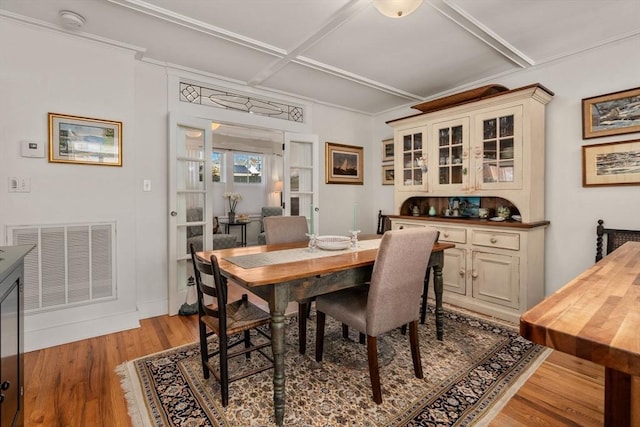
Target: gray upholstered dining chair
x,y
267,211
285,229
391,300
290,229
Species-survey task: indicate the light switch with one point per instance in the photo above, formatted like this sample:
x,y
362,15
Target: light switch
x,y
146,185
19,184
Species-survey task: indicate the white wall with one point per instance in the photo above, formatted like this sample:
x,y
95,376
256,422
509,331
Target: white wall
x,y
51,72
572,209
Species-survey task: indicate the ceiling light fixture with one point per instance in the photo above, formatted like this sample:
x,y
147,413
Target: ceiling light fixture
x,y
71,20
396,8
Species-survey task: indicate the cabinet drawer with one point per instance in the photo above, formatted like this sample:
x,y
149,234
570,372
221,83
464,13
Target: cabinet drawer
x,y
401,225
494,239
453,235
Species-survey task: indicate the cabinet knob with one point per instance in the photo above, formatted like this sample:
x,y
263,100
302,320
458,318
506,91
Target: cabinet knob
x,y
401,227
445,234
461,272
493,240
474,275
5,385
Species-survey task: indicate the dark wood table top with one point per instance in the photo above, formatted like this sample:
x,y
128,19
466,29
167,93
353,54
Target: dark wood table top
x,y
596,316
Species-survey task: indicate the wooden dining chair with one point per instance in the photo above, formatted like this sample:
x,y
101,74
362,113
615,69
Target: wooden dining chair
x,y
391,300
290,229
613,237
226,319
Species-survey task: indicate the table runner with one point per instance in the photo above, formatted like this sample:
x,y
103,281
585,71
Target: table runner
x,y
293,255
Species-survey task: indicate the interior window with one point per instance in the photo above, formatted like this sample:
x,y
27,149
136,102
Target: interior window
x,y
217,166
247,168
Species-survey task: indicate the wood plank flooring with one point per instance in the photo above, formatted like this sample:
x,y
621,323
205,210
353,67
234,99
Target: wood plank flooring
x,y
75,384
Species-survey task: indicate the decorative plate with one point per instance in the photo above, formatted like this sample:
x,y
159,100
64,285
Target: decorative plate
x,y
496,218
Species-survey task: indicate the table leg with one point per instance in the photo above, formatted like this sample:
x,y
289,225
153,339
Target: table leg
x,y
617,398
278,306
438,286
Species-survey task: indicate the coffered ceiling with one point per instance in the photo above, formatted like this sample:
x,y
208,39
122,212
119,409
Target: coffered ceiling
x,y
344,52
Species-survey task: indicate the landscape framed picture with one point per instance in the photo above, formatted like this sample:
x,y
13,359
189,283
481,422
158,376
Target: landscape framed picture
x,y
83,140
611,114
613,163
387,150
388,174
344,164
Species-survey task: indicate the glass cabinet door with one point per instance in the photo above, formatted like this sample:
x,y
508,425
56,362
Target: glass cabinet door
x,y
451,152
500,143
408,171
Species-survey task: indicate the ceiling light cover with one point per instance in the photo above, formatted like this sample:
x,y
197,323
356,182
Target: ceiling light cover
x,y
396,8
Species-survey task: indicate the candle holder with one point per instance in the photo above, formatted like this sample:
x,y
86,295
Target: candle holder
x,y
312,242
354,238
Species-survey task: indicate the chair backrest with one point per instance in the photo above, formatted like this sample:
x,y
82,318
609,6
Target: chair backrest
x,y
614,238
218,290
270,211
397,279
384,223
285,229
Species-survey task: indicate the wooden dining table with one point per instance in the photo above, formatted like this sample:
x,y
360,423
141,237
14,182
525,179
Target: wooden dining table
x,y
596,317
302,279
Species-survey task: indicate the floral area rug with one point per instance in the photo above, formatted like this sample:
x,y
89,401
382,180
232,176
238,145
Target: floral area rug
x,y
468,377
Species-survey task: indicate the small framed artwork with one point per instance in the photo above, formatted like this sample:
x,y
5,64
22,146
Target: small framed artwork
x,y
388,175
387,150
344,164
83,140
613,163
611,114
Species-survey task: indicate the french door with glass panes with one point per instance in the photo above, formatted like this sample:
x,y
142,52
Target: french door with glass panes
x,y
189,205
301,177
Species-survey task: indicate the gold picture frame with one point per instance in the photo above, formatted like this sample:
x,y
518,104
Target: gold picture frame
x,y
611,114
612,163
344,164
387,150
388,175
83,140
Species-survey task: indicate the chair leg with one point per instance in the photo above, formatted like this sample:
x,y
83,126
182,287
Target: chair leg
x,y
224,371
204,351
374,370
247,343
425,290
403,329
345,331
415,348
320,318
362,337
303,308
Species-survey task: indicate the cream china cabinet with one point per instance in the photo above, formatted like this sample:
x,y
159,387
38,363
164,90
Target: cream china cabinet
x,y
492,150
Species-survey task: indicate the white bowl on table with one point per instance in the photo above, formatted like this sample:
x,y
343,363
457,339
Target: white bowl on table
x,y
333,243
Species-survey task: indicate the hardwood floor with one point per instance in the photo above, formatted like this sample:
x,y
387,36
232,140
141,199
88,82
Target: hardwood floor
x,y
76,385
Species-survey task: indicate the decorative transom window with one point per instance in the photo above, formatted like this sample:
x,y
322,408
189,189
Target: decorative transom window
x,y
197,94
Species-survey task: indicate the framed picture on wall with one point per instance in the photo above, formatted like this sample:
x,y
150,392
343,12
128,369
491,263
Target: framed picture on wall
x,y
613,163
388,174
611,114
83,140
344,164
387,150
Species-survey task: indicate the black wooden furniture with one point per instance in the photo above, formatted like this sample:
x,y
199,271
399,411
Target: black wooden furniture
x,y
226,319
612,238
12,334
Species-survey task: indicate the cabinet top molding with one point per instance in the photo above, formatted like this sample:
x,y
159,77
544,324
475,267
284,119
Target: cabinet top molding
x,y
460,99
